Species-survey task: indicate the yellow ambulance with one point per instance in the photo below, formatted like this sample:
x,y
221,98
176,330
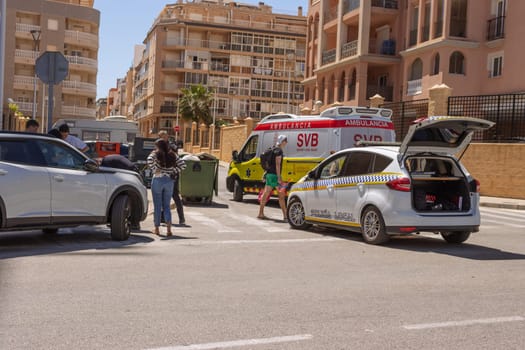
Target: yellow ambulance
x,y
310,140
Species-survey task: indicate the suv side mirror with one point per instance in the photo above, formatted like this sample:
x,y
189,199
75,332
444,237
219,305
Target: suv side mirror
x,y
91,165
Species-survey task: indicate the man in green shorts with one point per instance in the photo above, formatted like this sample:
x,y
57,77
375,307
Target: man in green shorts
x,y
274,180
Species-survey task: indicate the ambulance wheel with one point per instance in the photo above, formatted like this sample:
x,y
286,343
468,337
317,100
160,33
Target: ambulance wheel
x,y
373,226
295,212
237,190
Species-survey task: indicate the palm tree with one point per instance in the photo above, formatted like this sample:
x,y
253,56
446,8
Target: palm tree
x,y
195,104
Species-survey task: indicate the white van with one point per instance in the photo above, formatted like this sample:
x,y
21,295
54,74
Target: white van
x,y
310,140
115,128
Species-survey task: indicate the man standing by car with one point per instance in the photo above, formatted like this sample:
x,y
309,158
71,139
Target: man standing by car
x,y
274,179
32,125
72,140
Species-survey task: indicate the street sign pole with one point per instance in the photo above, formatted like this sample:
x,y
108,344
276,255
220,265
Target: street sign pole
x,y
51,67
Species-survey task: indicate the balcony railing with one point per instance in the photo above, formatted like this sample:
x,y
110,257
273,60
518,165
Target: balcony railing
x,y
168,109
388,4
211,19
32,55
25,106
78,111
78,85
414,87
82,37
172,64
328,56
23,80
82,61
349,49
24,27
496,28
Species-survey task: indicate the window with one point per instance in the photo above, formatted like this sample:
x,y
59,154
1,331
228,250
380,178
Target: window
x,y
457,63
496,66
381,162
359,163
333,168
458,18
250,149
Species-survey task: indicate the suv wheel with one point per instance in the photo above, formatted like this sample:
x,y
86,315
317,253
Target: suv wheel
x,y
373,226
295,212
237,190
121,218
455,236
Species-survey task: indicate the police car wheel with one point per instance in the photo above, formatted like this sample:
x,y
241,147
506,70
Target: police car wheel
x,y
373,226
455,236
295,212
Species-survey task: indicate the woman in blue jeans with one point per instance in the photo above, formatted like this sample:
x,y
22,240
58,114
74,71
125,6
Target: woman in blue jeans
x,y
163,163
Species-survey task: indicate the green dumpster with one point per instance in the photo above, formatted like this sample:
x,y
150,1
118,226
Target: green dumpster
x,y
200,178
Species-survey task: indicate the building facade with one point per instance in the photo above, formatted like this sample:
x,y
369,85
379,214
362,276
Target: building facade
x,y
67,26
252,60
401,48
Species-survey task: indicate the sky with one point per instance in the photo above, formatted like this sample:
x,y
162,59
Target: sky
x,y
124,24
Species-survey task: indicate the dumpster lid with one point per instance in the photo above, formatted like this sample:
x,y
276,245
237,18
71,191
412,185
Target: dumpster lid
x,y
205,156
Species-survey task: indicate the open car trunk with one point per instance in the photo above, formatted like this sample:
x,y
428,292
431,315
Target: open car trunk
x,y
438,184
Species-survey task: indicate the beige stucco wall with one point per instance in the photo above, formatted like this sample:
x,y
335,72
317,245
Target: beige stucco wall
x,y
498,167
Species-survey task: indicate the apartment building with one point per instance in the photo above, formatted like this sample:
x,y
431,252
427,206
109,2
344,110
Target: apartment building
x,y
35,26
401,48
251,58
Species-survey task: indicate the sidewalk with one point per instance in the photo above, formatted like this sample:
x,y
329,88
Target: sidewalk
x,y
497,202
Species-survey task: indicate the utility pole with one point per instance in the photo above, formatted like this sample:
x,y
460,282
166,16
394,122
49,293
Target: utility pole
x,y
35,33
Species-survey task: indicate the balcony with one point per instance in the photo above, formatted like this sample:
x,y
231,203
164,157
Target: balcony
x,y
168,108
76,111
81,38
23,30
496,28
83,61
24,82
172,64
328,56
78,87
26,56
349,49
25,106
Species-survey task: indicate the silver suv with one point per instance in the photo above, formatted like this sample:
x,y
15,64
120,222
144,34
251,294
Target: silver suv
x,y
47,184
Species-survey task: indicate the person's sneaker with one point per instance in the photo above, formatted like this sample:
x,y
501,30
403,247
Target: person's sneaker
x,y
182,223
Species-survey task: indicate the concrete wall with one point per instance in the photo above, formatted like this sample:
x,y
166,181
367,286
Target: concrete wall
x,y
499,167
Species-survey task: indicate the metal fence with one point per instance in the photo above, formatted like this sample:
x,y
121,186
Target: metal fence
x,y
507,111
404,113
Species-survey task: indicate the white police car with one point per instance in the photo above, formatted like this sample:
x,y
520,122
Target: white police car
x,y
386,190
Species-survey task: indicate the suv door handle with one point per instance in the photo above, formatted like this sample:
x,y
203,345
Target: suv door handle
x,y
58,178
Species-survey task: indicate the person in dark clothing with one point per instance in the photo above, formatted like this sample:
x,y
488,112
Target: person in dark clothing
x,y
176,196
274,180
118,161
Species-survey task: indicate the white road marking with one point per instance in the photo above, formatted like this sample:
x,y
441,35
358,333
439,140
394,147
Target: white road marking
x,y
519,215
259,241
265,225
238,343
464,323
500,223
201,218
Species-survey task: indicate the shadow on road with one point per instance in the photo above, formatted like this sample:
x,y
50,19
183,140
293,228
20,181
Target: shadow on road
x,y
425,244
30,243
